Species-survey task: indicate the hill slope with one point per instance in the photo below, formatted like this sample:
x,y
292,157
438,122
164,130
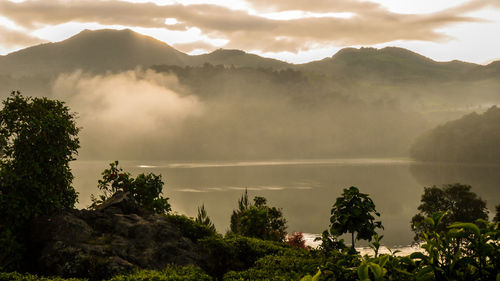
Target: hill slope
x,y
473,138
95,51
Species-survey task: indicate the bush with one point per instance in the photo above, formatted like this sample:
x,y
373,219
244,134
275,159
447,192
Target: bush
x,y
14,276
291,265
190,228
145,189
171,273
258,220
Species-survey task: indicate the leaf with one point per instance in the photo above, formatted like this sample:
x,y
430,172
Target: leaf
x,y
363,272
466,225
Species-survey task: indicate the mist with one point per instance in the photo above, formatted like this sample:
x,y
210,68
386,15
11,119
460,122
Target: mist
x,y
229,114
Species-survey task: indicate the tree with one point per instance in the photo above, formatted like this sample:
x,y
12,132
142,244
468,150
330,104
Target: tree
x,y
461,204
204,219
258,220
38,139
497,216
353,213
145,189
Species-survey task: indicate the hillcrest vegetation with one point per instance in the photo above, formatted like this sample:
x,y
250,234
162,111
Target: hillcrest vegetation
x,y
131,233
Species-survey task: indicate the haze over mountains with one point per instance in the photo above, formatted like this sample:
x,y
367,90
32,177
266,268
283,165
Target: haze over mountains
x,y
229,104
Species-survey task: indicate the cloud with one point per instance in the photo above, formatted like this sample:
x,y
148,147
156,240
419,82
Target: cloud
x,y
15,38
121,110
192,46
370,23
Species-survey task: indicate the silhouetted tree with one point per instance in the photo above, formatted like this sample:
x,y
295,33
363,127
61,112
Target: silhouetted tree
x,y
354,212
462,205
203,218
497,216
38,139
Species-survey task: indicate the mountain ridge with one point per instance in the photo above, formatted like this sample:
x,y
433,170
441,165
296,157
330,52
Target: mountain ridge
x,y
114,50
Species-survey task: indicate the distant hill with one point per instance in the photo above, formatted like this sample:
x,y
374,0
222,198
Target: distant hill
x,y
238,58
109,49
95,51
390,63
474,138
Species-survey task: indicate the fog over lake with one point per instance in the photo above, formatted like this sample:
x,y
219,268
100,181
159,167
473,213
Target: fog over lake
x,y
304,189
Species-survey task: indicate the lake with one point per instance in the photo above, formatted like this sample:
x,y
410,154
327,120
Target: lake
x,y
304,189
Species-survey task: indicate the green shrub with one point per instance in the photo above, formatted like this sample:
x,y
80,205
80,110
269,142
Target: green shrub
x,y
145,189
171,273
290,265
190,228
258,220
236,252
14,276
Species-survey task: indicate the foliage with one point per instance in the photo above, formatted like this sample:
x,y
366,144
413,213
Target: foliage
x,y
497,215
462,205
258,220
472,138
11,253
145,189
353,213
38,139
329,243
204,219
297,240
170,273
465,251
290,265
236,252
14,276
190,228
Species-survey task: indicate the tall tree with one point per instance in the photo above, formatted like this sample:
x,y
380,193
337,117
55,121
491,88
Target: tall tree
x,y
354,212
38,139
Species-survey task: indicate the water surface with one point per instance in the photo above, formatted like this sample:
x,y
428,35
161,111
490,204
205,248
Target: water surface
x,y
304,189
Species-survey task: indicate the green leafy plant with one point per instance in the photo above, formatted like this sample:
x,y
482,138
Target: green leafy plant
x,y
258,220
354,212
145,189
461,204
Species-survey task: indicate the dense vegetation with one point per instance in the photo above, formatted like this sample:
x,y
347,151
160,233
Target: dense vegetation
x,y
256,248
38,139
473,138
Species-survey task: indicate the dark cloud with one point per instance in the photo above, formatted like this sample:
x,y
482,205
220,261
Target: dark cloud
x,y
370,23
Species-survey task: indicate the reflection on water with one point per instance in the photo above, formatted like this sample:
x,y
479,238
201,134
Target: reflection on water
x,y
304,189
484,179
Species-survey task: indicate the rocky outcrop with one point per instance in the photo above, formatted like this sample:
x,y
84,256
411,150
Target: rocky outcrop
x,y
115,238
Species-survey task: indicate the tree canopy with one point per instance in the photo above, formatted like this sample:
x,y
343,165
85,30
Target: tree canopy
x,y
354,212
461,204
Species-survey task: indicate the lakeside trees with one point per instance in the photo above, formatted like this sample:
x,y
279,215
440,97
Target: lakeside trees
x,y
38,139
457,199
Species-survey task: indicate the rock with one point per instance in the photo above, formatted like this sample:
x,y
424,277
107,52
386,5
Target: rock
x,y
115,238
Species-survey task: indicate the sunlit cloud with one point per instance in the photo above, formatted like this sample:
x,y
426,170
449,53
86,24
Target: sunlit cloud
x,y
281,28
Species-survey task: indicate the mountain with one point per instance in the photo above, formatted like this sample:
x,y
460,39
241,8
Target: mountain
x,y
390,63
113,50
95,51
238,58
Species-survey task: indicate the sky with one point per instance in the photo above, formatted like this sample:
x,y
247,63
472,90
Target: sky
x,y
295,31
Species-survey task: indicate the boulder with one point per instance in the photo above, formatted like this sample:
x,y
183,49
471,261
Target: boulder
x,y
115,238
